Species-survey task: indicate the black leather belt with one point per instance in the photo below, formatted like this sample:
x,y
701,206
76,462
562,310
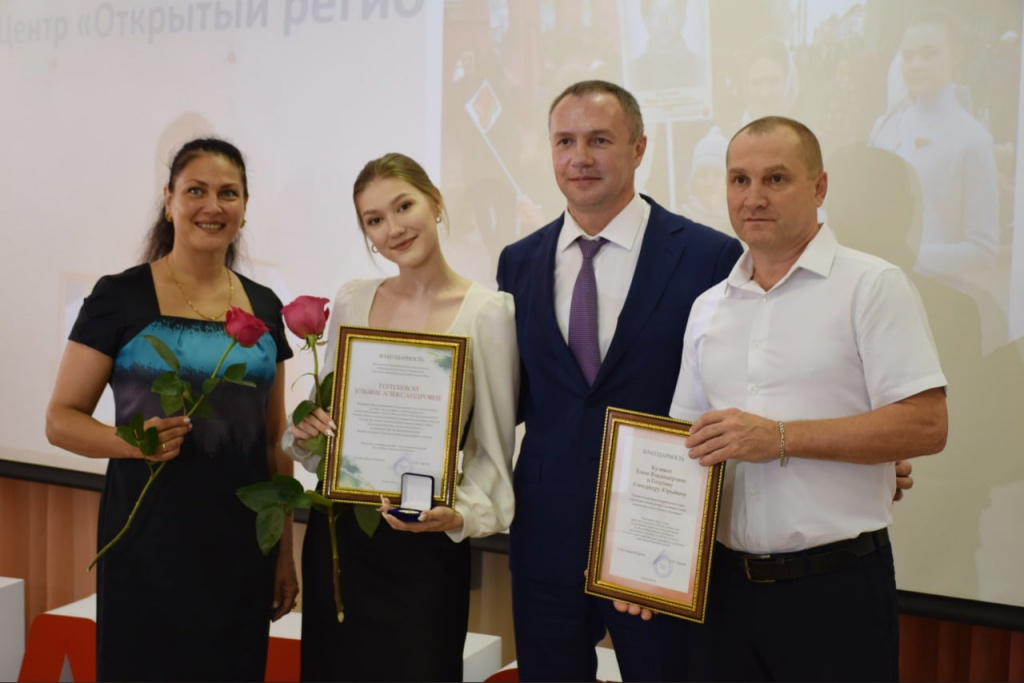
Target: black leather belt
x,y
822,559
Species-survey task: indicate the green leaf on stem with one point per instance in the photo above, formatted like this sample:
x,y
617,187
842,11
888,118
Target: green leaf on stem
x,y
289,488
367,518
203,409
125,433
316,444
321,469
269,527
164,351
172,404
259,496
150,441
135,434
319,499
302,411
209,384
282,491
235,373
168,384
327,391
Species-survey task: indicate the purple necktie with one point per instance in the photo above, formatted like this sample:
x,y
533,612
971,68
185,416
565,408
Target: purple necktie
x,y
583,312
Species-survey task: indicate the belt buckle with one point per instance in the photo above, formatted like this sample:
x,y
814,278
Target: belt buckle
x,y
746,568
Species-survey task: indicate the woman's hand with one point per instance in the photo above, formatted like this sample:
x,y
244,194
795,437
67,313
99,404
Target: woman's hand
x,y
317,422
286,585
172,431
440,518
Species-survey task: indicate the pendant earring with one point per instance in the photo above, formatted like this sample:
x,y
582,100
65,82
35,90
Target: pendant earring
x,y
167,217
437,219
373,248
243,224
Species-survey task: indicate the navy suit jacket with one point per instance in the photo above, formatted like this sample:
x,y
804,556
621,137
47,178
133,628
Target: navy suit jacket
x,y
556,474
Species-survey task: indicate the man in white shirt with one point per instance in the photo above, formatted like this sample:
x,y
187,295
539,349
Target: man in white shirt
x,y
810,369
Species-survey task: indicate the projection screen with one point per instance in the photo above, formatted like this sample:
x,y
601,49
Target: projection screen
x,y
916,103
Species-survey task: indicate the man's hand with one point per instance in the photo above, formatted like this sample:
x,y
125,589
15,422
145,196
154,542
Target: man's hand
x,y
904,482
721,435
633,610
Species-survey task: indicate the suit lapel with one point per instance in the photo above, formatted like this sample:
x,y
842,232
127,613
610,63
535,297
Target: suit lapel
x,y
659,257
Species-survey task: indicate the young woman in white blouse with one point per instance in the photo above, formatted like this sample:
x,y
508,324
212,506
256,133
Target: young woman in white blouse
x,y
406,588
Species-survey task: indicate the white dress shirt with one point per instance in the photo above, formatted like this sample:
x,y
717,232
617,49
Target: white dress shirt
x,y
843,333
614,266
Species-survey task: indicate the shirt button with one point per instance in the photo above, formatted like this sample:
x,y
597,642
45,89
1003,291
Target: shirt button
x,y
754,390
764,299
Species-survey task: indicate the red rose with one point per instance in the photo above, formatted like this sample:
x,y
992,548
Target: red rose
x,y
244,327
306,316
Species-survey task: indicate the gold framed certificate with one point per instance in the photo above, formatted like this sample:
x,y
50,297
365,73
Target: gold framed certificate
x,y
655,517
398,407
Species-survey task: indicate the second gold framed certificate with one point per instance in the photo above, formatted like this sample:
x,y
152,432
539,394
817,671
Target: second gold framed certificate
x,y
655,517
398,408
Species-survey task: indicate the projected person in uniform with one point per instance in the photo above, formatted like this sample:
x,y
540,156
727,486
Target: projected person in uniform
x,y
186,594
667,61
838,378
406,587
952,154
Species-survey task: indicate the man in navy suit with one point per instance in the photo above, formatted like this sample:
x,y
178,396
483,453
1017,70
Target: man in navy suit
x,y
648,270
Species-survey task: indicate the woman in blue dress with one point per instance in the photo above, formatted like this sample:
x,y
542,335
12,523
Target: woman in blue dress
x,y
186,594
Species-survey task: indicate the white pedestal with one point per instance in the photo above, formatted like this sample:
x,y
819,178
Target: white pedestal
x,y
481,655
12,627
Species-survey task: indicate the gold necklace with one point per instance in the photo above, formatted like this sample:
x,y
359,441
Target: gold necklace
x,y
231,294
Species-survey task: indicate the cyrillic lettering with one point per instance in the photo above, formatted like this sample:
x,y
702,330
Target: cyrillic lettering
x,y
60,31
368,6
6,40
34,31
253,13
175,23
122,18
322,11
203,8
157,21
294,13
222,18
138,21
19,32
408,8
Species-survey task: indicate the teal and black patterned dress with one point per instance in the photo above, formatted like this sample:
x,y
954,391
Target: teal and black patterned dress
x,y
186,594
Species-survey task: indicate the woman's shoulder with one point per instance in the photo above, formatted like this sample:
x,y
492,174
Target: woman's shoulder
x,y
356,291
353,289
485,306
353,300
124,289
132,277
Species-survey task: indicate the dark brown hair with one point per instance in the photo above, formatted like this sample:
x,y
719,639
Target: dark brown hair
x,y
160,239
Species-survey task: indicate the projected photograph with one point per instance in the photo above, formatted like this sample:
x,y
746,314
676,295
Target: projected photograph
x,y
916,104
